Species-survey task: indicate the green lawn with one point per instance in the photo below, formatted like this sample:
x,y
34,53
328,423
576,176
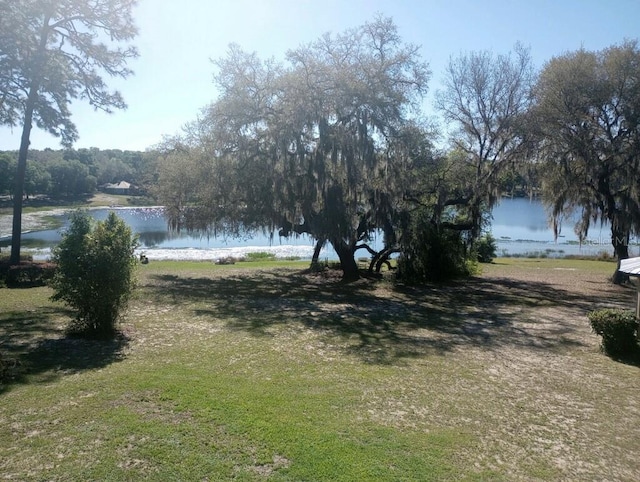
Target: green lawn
x,y
257,371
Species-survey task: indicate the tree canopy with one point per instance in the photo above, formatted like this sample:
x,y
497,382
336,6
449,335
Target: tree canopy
x,y
305,146
60,50
52,52
487,98
588,113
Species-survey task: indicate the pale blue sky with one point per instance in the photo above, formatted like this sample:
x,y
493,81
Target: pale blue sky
x,y
177,38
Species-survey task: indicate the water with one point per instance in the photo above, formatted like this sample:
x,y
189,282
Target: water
x,y
520,227
158,243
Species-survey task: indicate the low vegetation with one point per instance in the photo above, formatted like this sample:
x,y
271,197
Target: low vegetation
x,y
618,329
259,256
95,272
486,248
264,371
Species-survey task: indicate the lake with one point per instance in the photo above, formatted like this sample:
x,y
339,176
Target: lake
x,y
520,226
158,243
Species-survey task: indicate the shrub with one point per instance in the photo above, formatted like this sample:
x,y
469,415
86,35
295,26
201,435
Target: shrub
x,y
5,264
260,256
95,274
486,248
430,254
618,329
29,273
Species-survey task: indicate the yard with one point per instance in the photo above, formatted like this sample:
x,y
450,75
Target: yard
x,y
260,371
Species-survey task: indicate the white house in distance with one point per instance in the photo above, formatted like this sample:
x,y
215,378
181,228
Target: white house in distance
x,y
123,187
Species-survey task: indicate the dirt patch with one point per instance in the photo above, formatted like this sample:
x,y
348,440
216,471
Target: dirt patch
x,y
543,399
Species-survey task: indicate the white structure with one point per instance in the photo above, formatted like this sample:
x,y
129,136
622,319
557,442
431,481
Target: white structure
x,y
631,266
122,187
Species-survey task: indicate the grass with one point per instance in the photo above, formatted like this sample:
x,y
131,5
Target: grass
x,y
99,199
259,371
576,263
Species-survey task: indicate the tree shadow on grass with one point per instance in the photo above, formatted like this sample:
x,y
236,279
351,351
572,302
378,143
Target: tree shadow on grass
x,y
35,345
387,325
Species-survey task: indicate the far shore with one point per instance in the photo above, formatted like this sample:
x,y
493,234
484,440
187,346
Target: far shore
x,y
39,216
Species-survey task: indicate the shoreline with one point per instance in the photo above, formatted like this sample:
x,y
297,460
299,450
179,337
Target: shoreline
x,y
40,220
516,248
33,221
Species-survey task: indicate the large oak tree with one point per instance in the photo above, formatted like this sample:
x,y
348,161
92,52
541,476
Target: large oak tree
x,y
52,52
588,112
304,146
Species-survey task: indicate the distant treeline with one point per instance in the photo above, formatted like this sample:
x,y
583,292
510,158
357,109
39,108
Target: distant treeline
x,y
74,172
71,172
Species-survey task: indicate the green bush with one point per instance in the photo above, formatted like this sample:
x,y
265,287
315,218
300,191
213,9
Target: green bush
x,y
260,256
486,248
5,265
29,273
434,255
95,274
618,329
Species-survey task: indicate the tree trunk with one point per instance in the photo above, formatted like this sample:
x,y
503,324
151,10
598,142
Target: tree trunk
x,y
24,144
347,260
20,175
620,241
316,253
383,258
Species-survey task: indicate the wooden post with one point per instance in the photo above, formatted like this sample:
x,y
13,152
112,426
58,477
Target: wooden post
x,y
638,310
635,280
638,313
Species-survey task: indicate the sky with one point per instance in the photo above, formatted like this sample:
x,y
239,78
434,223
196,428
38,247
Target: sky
x,y
178,39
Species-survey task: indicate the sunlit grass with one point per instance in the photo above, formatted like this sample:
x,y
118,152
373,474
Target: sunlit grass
x,y
198,399
587,264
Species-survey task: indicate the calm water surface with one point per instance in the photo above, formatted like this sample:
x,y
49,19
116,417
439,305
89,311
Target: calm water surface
x,y
157,242
519,226
522,226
